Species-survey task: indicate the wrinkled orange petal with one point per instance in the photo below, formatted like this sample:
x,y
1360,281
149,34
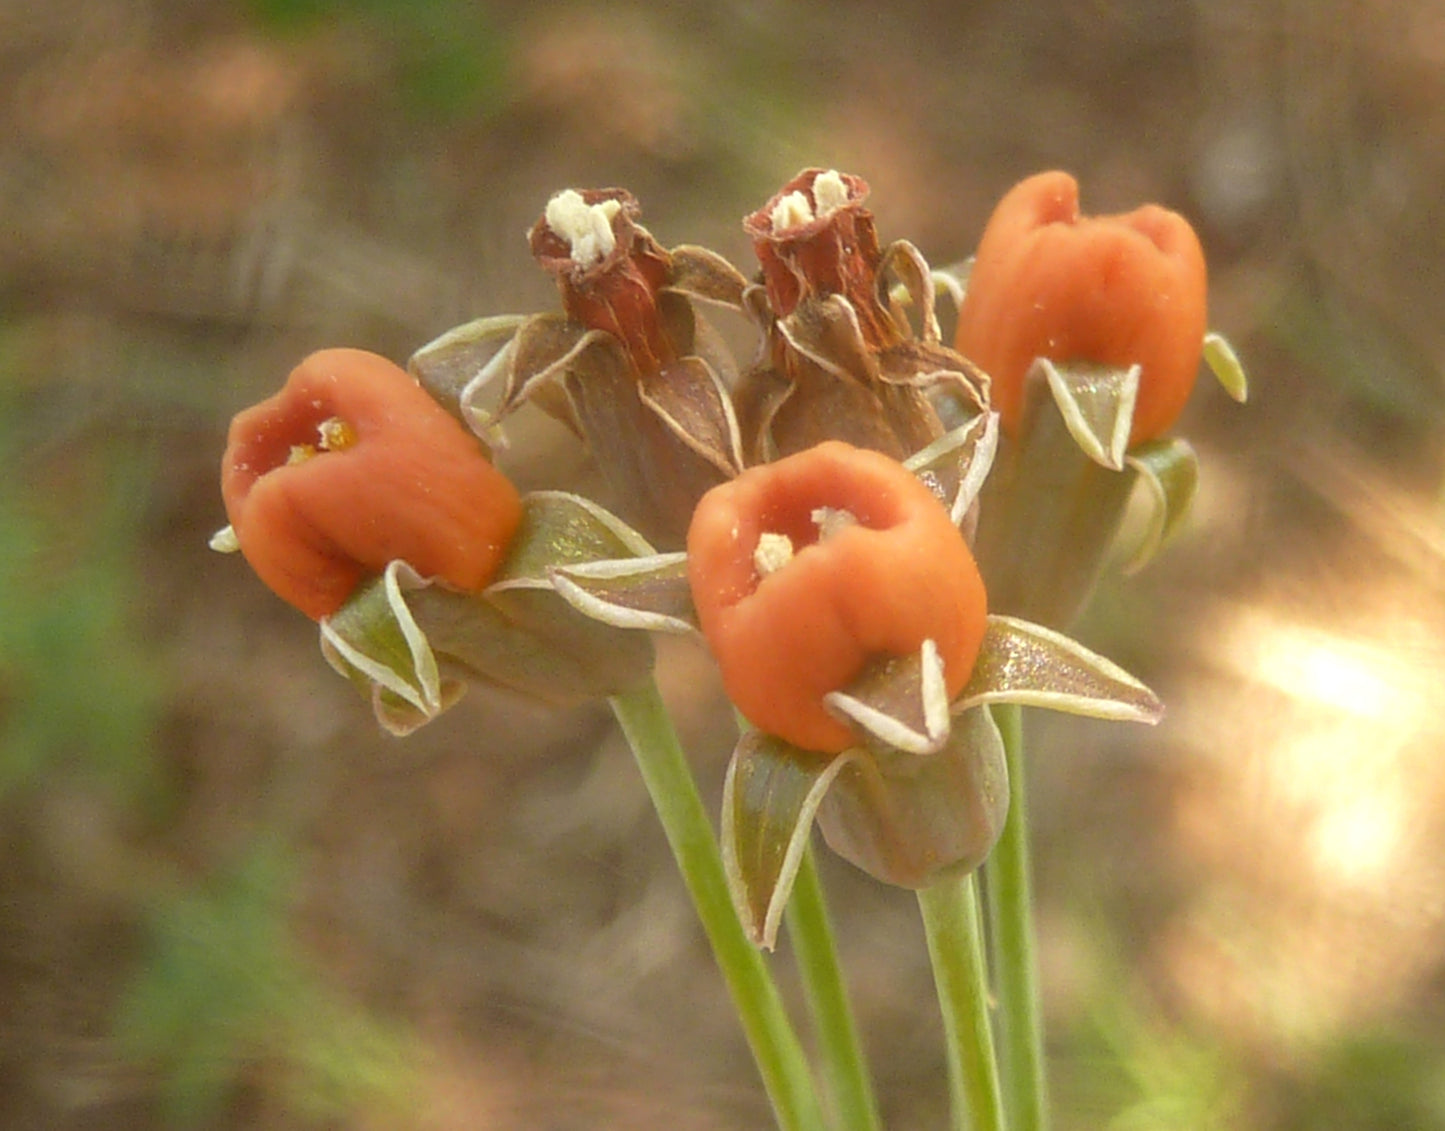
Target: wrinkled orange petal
x,y
414,485
1116,290
900,575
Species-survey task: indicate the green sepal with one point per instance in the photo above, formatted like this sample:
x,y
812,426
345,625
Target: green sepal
x,y
912,821
1035,666
956,465
410,645
562,529
650,593
1169,470
375,641
1224,363
770,795
452,362
1097,404
532,641
899,700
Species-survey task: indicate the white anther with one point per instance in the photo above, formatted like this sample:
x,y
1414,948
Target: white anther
x,y
587,228
773,552
830,520
830,192
792,211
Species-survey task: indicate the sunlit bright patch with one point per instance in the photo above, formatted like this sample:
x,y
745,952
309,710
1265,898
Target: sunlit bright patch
x,y
1362,677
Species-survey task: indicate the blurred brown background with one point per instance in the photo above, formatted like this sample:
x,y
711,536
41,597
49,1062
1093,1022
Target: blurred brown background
x,y
228,901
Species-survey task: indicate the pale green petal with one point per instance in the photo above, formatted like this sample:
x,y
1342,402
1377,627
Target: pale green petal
x,y
1029,664
649,593
901,701
1224,363
1169,470
770,796
375,637
1097,404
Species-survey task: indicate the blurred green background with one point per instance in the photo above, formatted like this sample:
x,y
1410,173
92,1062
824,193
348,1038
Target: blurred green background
x,y
228,901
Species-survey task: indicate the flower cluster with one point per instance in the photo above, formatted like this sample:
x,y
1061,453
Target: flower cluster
x,y
810,515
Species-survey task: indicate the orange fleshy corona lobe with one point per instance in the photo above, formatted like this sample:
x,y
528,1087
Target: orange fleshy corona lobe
x,y
897,574
409,483
1116,290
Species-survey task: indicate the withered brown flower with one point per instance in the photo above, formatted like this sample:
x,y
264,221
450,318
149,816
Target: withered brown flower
x,y
629,364
842,360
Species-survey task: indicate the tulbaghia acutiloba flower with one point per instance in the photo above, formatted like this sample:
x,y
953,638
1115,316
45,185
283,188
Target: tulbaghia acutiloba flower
x,y
1092,330
352,466
1110,290
804,569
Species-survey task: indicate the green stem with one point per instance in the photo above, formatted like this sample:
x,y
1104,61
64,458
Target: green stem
x,y
776,1049
844,1066
955,946
1009,888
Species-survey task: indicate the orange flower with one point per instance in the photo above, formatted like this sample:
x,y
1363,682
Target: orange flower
x,y
804,569
351,466
1109,289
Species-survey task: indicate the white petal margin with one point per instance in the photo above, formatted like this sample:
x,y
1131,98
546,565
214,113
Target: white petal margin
x,y
462,348
893,731
982,432
630,540
485,422
906,262
1224,363
426,693
1169,470
1025,663
799,823
952,280
1110,392
569,582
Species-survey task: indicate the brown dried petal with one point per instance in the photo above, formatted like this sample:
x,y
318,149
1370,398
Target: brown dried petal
x,y
656,476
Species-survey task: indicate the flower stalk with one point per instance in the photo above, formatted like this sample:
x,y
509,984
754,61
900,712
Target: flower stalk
x,y
845,1068
775,1046
951,922
1008,887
